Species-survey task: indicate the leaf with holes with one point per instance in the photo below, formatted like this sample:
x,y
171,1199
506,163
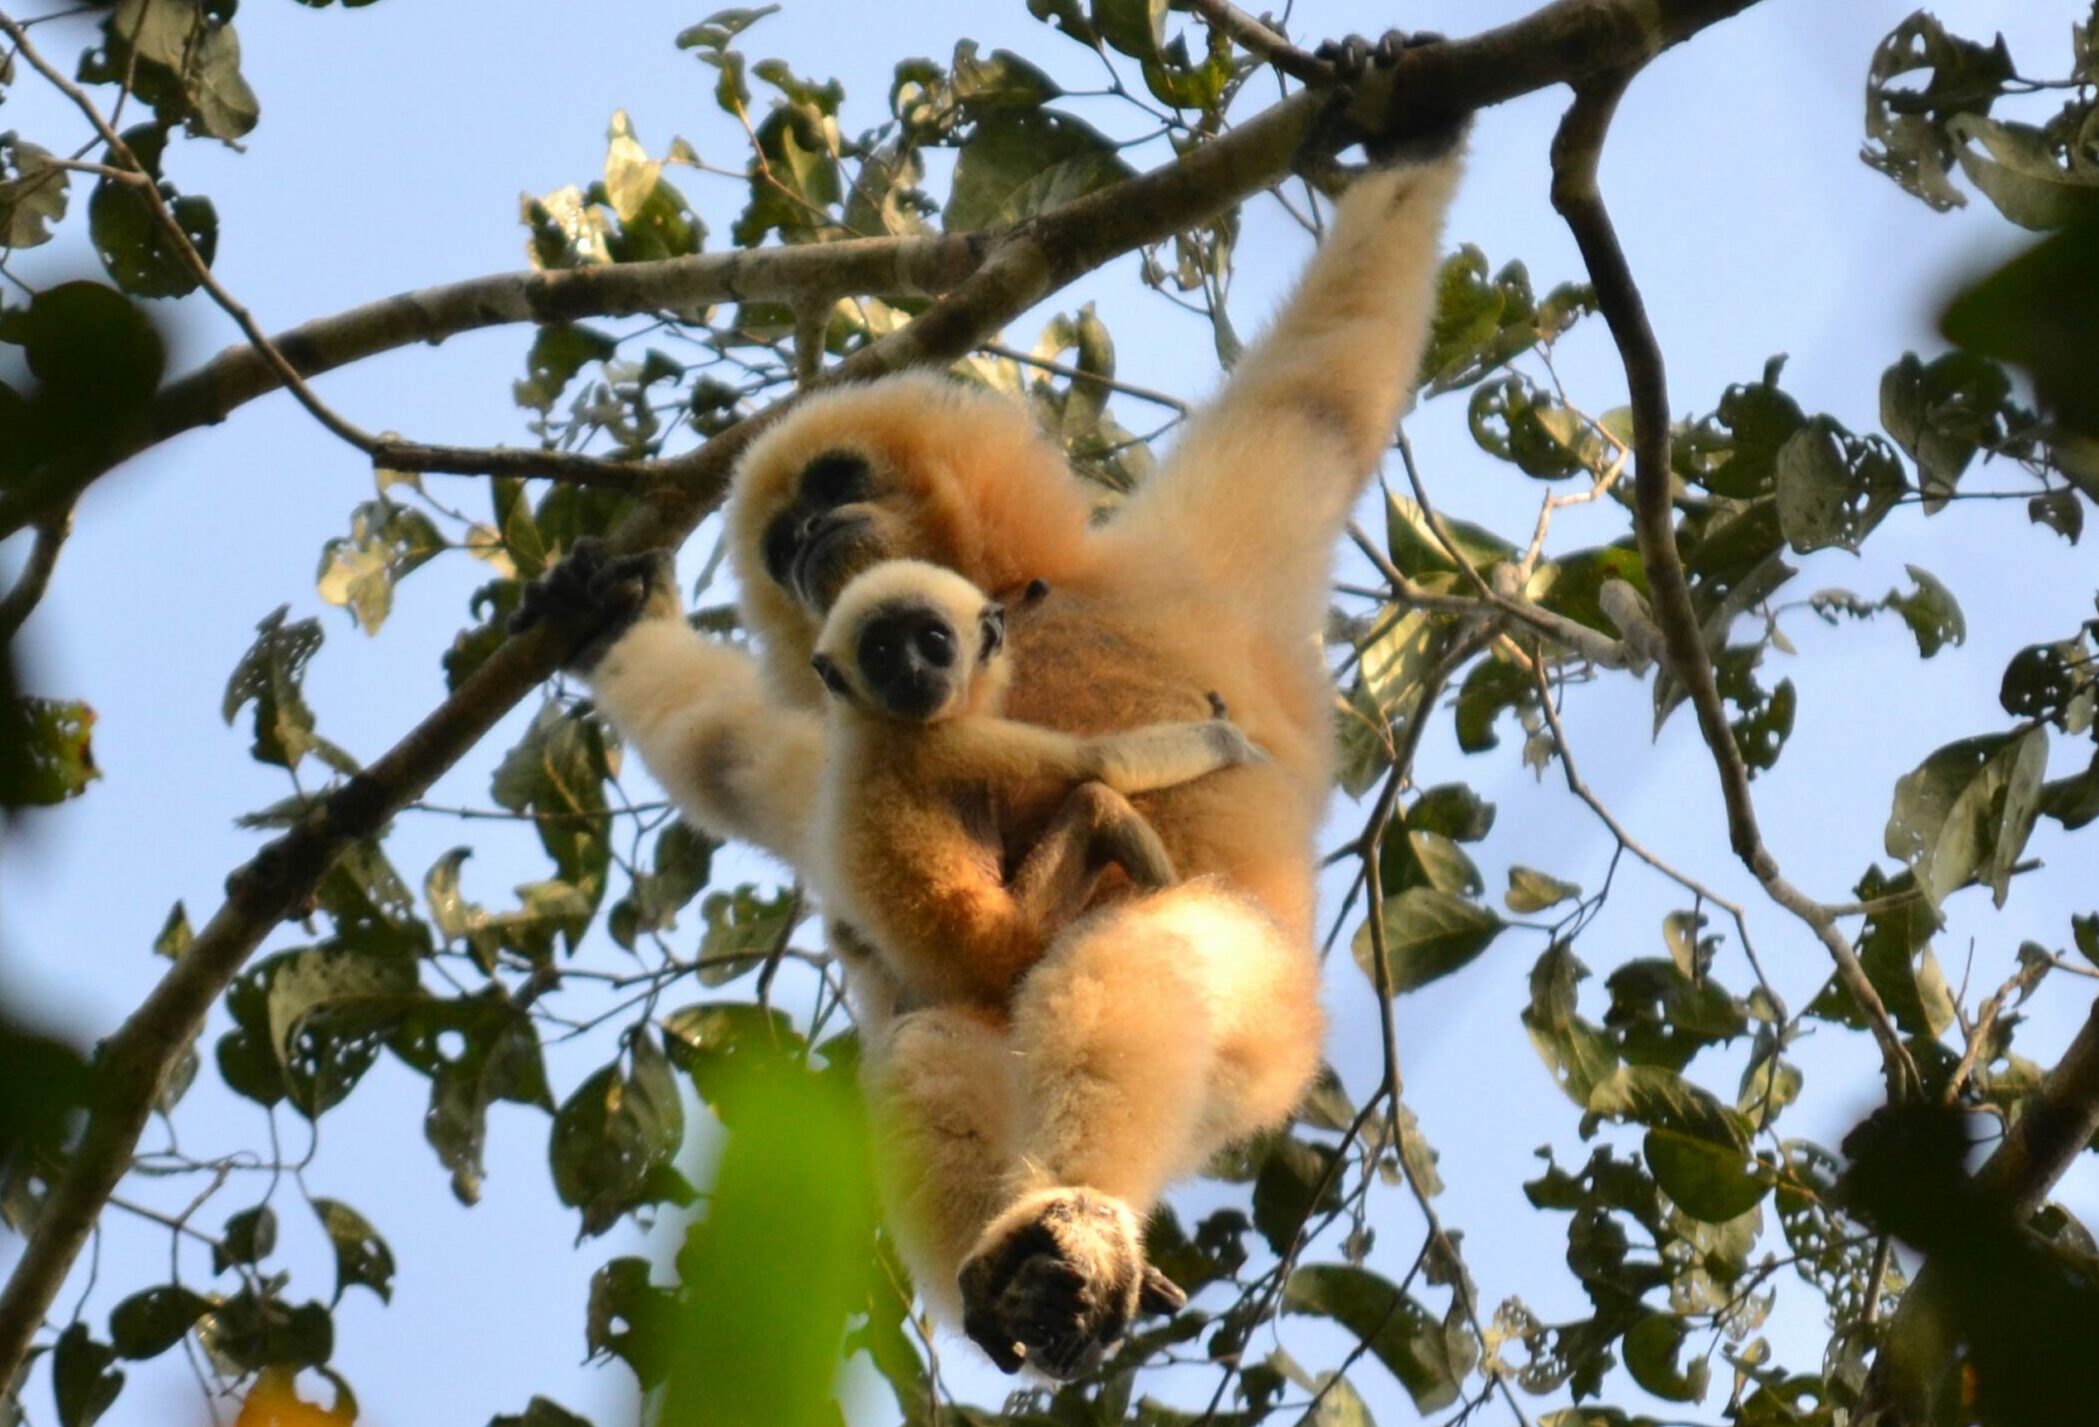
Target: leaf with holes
x,y
361,1256
1964,814
613,1134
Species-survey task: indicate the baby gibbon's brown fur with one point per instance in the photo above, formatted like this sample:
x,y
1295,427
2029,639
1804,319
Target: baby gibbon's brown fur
x,y
1025,1147
922,776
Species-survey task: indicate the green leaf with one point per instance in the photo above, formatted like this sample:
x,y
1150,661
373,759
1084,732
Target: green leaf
x,y
51,758
32,193
1404,1336
82,1378
2041,311
559,351
1832,487
135,249
1531,891
476,1050
1417,551
1942,412
2060,511
714,33
1287,1191
2085,931
1932,613
2017,170
361,1256
540,1412
613,1134
1492,687
1136,27
743,930
558,771
175,935
1906,136
1651,1348
250,1236
1428,935
1964,814
387,541
1020,163
1697,1148
270,676
1577,1052
147,1324
254,1330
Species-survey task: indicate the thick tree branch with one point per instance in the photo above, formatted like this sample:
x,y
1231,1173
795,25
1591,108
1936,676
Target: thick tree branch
x,y
2056,1124
1576,148
1566,40
1563,42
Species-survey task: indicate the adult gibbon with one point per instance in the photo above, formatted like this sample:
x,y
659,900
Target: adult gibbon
x,y
921,775
1025,1143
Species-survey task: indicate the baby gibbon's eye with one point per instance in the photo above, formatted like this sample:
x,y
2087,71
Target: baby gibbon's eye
x,y
835,478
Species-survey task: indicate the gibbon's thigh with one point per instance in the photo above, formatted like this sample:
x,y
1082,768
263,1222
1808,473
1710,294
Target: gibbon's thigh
x,y
941,1090
1156,1031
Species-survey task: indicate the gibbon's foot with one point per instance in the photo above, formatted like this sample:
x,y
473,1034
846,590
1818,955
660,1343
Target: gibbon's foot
x,y
1056,1279
1411,130
595,597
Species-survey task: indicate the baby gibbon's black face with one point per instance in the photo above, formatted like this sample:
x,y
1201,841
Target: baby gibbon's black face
x,y
911,660
828,533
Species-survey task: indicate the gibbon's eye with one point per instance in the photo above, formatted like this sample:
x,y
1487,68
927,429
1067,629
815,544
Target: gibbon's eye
x,y
835,478
779,546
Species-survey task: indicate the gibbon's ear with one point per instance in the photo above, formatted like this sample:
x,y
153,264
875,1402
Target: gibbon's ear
x,y
991,631
827,669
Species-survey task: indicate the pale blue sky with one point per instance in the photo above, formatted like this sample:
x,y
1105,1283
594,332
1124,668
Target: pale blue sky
x,y
395,141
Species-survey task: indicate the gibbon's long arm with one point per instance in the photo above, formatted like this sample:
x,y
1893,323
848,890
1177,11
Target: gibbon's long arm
x,y
736,763
1258,488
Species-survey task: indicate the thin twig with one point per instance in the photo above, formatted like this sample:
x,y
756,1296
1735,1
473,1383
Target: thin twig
x,y
1576,148
1142,393
143,181
35,578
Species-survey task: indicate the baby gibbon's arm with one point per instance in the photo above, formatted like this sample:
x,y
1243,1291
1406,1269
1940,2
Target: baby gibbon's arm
x,y
1137,760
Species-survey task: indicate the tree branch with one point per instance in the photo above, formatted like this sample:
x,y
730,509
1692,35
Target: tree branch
x,y
1576,149
2055,1125
35,578
1562,42
1004,278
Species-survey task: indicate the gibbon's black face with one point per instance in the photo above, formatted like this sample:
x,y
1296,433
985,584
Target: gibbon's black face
x,y
828,533
913,662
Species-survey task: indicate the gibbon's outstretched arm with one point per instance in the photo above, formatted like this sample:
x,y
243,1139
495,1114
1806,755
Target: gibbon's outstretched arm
x,y
697,711
1257,490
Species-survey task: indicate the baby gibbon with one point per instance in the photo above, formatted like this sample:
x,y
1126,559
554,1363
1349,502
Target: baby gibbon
x,y
921,770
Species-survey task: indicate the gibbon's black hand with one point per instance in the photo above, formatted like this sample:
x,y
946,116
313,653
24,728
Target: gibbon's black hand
x,y
1411,130
594,597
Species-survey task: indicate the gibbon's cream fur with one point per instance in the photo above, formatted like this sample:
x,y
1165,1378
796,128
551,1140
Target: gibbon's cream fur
x,y
922,776
1026,1143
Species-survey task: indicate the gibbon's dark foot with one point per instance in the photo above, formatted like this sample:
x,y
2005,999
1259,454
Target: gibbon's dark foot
x,y
595,597
1056,1279
1411,129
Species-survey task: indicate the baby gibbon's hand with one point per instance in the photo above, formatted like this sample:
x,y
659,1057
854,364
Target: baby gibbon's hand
x,y
595,597
1233,747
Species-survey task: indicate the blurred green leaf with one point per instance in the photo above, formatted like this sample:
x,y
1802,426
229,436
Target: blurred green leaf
x,y
32,192
613,1133
1428,935
1402,1334
1964,814
361,1256
1018,163
148,1323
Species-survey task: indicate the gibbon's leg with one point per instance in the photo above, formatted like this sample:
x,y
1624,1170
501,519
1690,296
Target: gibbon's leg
x,y
1095,826
1255,493
939,1084
736,764
1153,1033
